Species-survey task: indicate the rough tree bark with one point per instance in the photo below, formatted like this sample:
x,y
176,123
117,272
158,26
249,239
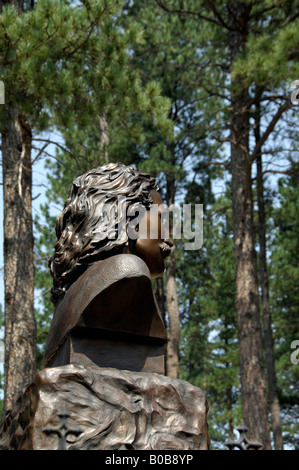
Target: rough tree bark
x,y
253,385
267,318
172,364
20,328
172,367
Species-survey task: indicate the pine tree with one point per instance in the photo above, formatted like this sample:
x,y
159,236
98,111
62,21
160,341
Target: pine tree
x,y
284,278
265,296
244,33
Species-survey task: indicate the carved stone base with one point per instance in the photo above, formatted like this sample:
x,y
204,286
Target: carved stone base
x,y
114,409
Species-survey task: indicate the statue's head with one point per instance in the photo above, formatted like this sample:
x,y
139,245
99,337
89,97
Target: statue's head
x,y
96,223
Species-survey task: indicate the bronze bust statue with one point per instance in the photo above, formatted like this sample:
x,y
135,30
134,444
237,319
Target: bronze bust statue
x,y
105,310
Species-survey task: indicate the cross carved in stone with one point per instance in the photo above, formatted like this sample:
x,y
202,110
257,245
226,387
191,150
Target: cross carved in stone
x,y
243,443
62,430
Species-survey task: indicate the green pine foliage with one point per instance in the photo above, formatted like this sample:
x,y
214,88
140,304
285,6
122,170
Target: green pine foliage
x,y
171,57
62,64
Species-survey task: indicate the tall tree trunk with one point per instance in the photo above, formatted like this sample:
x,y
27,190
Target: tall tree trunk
x,y
172,367
172,364
253,385
20,329
267,322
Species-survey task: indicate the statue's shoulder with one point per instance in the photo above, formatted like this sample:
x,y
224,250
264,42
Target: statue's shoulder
x,y
100,276
114,278
116,267
103,274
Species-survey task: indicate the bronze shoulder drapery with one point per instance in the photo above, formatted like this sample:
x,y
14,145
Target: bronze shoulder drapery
x,y
113,298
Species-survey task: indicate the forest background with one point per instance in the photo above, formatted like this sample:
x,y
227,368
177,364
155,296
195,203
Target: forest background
x,y
202,95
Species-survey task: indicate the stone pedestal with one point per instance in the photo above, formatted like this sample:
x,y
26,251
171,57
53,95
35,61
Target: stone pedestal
x,y
113,409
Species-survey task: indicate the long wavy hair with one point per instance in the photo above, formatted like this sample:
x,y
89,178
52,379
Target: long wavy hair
x,y
91,214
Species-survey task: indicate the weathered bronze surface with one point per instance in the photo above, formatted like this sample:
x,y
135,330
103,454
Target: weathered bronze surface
x,y
109,317
106,313
106,409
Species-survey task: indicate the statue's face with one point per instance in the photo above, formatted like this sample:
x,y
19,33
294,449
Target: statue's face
x,y
153,251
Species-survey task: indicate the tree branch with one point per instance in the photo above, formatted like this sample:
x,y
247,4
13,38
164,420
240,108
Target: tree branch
x,y
284,107
287,173
217,14
40,152
193,13
55,158
48,141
